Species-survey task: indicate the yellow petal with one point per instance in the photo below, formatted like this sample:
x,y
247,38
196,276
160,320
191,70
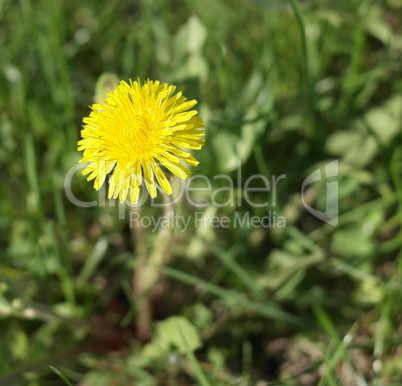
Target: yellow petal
x,y
134,192
191,160
149,178
177,169
162,180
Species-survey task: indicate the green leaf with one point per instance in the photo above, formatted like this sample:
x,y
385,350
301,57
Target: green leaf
x,y
169,332
354,146
105,83
361,143
352,242
385,121
169,338
191,36
245,123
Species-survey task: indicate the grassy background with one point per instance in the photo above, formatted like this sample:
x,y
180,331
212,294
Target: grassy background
x,y
306,304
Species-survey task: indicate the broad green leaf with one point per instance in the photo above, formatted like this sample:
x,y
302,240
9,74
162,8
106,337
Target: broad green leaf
x,y
105,83
169,337
354,146
386,120
352,242
169,331
361,142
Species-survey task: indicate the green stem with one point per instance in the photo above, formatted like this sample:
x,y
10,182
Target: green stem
x,y
146,272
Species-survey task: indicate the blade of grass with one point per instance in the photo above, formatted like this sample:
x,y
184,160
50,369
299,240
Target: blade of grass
x,y
326,323
311,127
33,198
338,348
61,375
93,260
227,258
201,377
262,309
351,215
65,252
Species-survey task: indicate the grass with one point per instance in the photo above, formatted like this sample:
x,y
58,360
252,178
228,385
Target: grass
x,y
284,89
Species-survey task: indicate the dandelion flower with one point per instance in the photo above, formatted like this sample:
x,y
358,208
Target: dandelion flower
x,y
136,130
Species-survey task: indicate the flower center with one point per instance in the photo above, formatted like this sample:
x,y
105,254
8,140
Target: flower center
x,y
143,133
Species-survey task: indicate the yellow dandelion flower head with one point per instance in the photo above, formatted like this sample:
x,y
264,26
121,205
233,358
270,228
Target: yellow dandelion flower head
x,y
136,130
